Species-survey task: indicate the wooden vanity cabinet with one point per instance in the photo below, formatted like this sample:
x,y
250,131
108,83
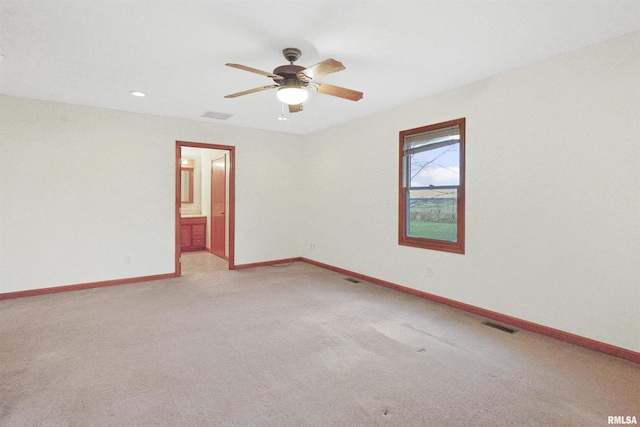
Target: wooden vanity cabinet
x,y
193,233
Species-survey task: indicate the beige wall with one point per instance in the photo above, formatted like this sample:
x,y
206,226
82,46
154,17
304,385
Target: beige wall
x,y
553,194
82,187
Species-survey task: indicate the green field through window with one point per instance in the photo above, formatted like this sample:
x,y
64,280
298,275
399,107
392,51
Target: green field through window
x,y
433,230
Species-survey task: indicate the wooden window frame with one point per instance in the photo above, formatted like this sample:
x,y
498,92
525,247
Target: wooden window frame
x,y
420,242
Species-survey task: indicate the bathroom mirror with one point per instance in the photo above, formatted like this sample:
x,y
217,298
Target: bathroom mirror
x,y
186,185
186,182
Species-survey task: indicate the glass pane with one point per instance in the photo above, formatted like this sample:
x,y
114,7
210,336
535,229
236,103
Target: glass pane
x,y
432,214
437,167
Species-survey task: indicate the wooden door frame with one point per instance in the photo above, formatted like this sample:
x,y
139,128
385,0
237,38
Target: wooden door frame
x,y
232,197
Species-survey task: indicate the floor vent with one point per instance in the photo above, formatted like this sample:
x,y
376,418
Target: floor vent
x,y
501,327
352,280
217,116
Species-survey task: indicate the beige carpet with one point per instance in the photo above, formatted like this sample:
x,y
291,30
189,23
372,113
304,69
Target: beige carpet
x,y
288,346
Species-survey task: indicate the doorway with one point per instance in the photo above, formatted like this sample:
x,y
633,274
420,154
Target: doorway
x,y
216,204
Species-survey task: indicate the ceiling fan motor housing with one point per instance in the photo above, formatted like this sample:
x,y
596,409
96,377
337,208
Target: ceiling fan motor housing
x,y
290,75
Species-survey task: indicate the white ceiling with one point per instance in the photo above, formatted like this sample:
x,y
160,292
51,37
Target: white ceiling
x,y
95,52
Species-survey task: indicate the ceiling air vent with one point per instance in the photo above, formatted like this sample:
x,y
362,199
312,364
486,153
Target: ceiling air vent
x,y
217,116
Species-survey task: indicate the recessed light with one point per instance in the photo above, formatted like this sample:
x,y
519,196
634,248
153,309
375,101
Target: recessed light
x,y
137,93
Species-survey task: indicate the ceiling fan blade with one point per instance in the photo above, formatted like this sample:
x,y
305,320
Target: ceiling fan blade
x,y
246,92
295,108
340,92
323,68
254,70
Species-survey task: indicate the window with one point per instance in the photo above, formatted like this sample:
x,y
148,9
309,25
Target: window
x,y
432,187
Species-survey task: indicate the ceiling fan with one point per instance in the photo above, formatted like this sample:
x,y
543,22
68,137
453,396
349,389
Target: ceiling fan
x,y
292,79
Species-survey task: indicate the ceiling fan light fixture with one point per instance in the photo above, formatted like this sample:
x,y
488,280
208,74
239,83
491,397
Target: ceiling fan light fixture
x,y
292,95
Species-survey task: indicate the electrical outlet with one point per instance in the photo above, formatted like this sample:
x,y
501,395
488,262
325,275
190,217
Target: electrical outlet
x,y
429,271
127,259
312,246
